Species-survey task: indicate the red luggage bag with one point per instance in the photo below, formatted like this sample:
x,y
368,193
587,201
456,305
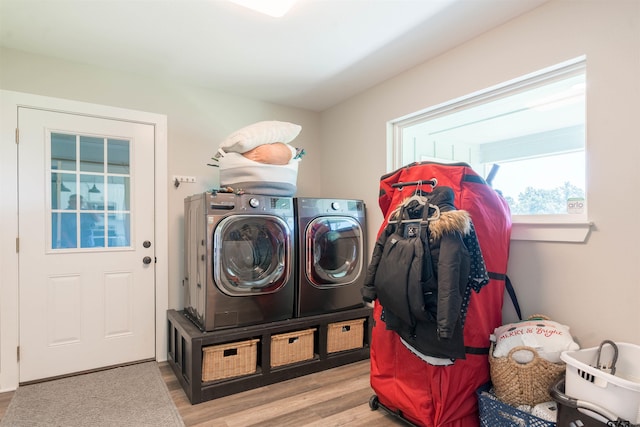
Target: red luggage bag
x,y
444,396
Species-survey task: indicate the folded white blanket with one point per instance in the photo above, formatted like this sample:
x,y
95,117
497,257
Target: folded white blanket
x,y
240,173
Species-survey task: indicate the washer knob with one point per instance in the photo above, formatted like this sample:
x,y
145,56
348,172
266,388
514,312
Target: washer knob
x,y
254,203
335,206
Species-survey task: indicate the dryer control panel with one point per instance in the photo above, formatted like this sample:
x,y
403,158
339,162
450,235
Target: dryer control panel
x,y
310,206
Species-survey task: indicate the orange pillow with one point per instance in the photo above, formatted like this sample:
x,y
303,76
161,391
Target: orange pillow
x,y
276,153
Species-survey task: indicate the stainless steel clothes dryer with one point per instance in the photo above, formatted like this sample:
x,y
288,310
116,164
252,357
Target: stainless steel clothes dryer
x,y
331,262
239,259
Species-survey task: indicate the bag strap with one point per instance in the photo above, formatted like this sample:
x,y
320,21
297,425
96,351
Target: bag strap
x,y
512,294
510,290
514,299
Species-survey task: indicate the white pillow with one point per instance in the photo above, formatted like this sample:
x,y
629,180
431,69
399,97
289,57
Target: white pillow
x,y
259,133
547,337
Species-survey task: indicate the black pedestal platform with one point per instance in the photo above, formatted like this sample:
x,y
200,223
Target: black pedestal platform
x,y
186,342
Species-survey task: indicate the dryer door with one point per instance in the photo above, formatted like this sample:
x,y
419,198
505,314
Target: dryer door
x,y
334,251
252,254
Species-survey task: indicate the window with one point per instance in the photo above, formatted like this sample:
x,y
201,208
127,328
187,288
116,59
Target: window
x,y
90,192
526,137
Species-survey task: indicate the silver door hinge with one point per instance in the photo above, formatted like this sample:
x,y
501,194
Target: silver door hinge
x,y
18,353
17,244
17,135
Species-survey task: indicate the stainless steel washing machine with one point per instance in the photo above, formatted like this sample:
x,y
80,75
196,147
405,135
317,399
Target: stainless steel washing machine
x,y
239,259
331,261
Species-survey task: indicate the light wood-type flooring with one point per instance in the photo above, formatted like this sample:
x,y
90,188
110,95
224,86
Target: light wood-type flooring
x,y
335,397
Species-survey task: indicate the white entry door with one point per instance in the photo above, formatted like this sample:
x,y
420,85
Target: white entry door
x,y
86,250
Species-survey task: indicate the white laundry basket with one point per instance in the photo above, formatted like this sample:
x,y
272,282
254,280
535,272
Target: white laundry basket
x,y
618,393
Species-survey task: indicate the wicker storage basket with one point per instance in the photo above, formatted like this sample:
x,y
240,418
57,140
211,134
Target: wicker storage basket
x,y
523,383
292,347
347,335
229,360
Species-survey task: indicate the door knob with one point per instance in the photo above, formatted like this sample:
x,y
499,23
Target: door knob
x,y
146,260
146,244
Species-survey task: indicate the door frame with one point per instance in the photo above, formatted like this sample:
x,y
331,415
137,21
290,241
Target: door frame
x,y
9,277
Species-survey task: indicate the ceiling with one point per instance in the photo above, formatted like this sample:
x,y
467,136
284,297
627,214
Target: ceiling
x,y
321,53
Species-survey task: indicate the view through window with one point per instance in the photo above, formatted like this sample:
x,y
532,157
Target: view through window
x,y
90,192
530,132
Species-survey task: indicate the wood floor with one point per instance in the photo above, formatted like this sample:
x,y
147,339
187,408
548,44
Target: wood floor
x,y
336,397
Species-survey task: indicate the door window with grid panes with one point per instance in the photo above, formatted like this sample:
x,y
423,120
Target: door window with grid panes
x,y
90,192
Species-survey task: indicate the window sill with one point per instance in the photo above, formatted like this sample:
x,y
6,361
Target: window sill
x,y
562,231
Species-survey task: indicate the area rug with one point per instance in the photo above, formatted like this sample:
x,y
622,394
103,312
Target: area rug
x,y
128,396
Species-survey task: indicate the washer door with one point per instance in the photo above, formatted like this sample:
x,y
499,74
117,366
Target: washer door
x,y
252,254
334,251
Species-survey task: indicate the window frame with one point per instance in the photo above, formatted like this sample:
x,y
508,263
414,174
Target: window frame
x,y
560,227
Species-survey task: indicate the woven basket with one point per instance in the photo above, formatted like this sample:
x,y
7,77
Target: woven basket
x,y
229,360
523,383
343,336
292,347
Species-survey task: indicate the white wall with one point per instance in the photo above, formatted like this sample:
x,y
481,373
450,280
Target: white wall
x,y
592,287
198,120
